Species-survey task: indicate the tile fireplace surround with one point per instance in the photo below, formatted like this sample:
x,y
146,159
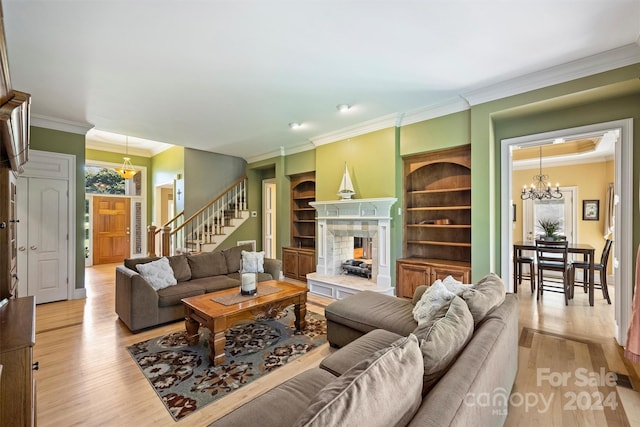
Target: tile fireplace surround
x,y
338,222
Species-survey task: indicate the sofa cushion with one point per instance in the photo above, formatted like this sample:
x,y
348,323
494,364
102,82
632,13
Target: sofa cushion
x,y
484,296
180,266
357,397
367,310
207,264
215,283
252,262
442,338
280,406
348,356
178,263
172,295
157,273
233,255
436,297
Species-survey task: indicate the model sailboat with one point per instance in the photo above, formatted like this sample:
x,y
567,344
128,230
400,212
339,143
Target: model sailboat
x,y
346,186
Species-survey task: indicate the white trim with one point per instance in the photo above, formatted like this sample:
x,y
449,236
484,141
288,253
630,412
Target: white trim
x,y
280,152
624,240
384,122
60,124
599,63
450,106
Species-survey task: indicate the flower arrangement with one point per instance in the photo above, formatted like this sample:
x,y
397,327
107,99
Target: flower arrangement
x,y
550,227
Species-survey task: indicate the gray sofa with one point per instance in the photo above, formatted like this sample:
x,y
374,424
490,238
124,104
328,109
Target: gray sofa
x,y
368,324
139,306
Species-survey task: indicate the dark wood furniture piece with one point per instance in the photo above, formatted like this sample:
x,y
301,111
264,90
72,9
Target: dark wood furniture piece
x,y
17,385
521,261
299,258
587,252
552,255
436,219
202,310
585,267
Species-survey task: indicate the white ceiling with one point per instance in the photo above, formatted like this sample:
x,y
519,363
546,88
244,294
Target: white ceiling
x,y
228,76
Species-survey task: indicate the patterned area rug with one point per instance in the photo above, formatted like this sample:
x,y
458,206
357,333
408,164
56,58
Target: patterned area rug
x,y
186,381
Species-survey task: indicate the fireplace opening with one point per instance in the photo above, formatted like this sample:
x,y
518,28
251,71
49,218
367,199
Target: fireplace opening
x,y
362,247
361,264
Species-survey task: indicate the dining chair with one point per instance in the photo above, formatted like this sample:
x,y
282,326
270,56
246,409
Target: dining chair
x,y
601,267
521,260
553,256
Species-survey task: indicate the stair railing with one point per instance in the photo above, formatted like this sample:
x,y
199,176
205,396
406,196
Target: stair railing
x,y
154,243
202,227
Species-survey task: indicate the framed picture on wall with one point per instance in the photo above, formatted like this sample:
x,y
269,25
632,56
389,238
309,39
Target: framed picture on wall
x,y
591,210
513,212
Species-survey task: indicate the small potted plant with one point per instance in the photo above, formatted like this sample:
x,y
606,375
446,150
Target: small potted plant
x,y
550,227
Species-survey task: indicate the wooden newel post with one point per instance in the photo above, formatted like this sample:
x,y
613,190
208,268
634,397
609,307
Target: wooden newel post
x,y
166,241
151,240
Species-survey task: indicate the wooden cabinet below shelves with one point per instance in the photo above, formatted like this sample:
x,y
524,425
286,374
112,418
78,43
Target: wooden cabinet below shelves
x,y
414,272
17,388
298,262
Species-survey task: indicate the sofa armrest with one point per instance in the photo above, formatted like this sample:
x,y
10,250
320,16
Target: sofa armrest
x,y
273,267
136,300
417,294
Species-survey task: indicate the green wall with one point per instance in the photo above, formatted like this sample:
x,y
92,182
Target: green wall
x,y
73,144
371,162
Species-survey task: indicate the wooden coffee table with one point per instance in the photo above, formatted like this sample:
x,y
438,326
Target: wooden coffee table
x,y
202,310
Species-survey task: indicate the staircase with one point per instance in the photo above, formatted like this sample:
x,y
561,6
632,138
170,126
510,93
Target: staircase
x,y
207,228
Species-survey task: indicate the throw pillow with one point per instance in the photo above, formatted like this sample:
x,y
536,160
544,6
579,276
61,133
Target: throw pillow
x,y
484,296
252,262
431,301
455,286
207,264
158,274
368,394
442,339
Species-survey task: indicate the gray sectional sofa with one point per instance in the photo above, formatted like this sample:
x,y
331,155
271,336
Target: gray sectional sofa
x,y
139,306
371,379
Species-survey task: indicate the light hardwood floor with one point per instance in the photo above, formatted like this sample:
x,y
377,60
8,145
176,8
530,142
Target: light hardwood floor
x,y
86,376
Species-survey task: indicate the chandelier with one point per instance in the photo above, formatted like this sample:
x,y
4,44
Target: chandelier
x,y
126,170
540,188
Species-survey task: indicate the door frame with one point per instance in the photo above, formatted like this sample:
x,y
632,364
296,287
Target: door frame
x,y
142,198
623,248
48,165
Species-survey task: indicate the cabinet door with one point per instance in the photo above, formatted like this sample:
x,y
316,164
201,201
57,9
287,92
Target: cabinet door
x,y
290,263
409,277
462,275
306,264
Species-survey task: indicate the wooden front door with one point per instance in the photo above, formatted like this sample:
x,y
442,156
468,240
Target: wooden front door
x,y
111,229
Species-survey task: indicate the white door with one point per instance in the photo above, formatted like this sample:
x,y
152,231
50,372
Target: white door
x,y
43,238
269,218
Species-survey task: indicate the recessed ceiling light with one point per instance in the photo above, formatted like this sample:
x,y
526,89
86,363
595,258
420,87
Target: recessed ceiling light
x,y
294,125
343,108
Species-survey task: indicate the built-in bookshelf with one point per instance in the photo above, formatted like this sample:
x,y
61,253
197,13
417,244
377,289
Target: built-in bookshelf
x,y
299,258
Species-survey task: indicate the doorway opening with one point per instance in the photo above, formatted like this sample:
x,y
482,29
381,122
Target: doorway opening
x,y
269,218
115,214
622,206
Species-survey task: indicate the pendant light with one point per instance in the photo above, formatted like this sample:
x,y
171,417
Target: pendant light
x,y
126,170
540,189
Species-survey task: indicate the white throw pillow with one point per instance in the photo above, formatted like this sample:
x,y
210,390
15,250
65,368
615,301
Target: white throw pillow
x,y
252,262
435,297
158,274
455,286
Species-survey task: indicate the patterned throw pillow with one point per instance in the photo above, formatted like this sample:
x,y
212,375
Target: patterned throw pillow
x,y
435,297
158,274
252,262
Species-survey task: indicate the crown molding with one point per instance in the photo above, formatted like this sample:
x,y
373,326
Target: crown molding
x,y
450,106
118,148
280,152
599,63
60,124
384,122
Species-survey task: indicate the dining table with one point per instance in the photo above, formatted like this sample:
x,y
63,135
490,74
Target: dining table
x,y
587,251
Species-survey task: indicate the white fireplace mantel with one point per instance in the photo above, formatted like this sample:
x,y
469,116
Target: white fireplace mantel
x,y
357,217
355,208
